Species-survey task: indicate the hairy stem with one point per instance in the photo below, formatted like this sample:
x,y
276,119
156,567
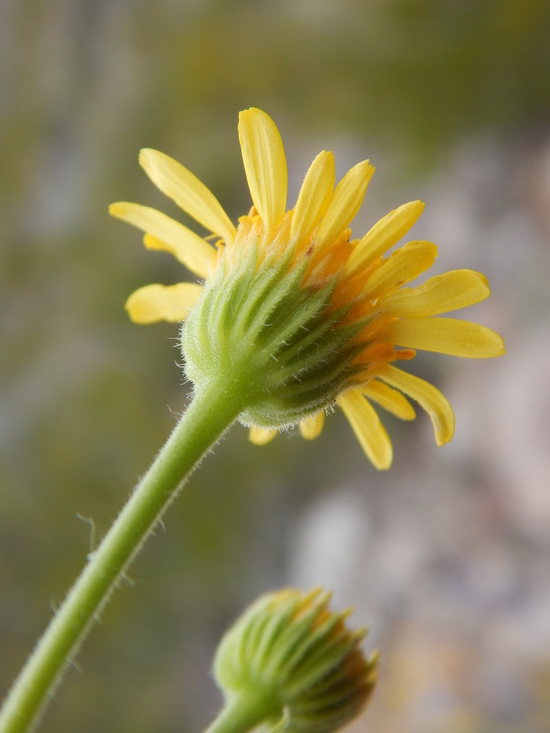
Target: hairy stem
x,y
210,413
245,712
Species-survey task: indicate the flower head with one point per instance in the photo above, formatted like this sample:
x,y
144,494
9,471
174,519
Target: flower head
x,y
295,315
289,650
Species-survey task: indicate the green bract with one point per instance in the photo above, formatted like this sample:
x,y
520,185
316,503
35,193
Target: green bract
x,y
259,330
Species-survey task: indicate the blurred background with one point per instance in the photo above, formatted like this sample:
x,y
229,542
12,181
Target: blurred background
x,y
446,556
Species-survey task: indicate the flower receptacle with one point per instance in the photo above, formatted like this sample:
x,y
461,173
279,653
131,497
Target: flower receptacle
x,y
272,339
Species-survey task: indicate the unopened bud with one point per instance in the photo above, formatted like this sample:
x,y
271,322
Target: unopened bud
x,y
300,658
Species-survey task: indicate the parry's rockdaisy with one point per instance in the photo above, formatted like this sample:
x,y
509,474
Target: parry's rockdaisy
x,y
299,660
294,314
293,317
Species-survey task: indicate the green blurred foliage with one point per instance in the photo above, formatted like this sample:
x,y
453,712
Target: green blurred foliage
x,y
88,398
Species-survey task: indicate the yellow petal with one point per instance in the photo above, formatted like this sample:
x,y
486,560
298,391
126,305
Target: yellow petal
x,y
440,294
314,196
406,264
264,164
185,254
162,303
436,405
310,427
383,235
446,336
192,251
390,399
187,191
367,427
344,204
261,436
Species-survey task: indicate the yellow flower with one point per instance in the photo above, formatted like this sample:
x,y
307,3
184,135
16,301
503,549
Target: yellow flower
x,y
378,321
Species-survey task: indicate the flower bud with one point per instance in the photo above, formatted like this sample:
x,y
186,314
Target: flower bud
x,y
291,651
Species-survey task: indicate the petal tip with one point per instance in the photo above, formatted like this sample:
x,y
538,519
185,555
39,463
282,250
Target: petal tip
x,y
417,208
443,439
146,156
444,433
494,344
260,436
117,210
251,112
248,116
311,427
385,464
135,311
365,169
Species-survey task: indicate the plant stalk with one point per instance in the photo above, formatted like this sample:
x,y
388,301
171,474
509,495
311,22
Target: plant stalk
x,y
245,712
211,412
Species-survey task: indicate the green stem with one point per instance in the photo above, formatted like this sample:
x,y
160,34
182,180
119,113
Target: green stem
x,y
243,713
210,413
